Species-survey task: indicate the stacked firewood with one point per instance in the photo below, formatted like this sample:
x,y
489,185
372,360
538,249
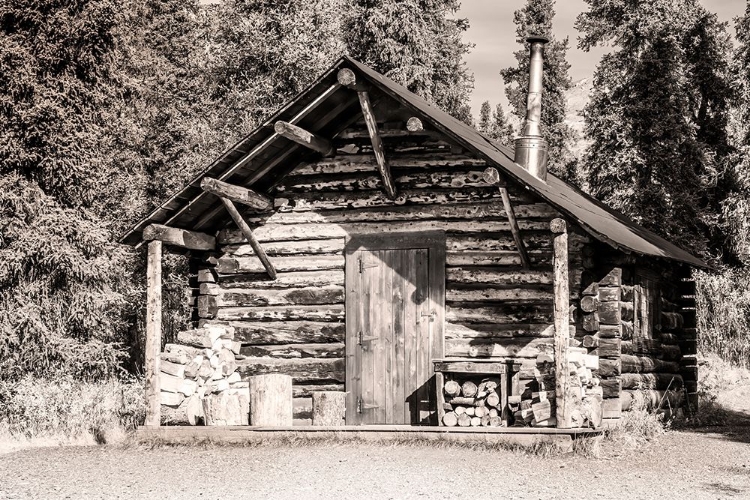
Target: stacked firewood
x,y
537,409
472,404
199,381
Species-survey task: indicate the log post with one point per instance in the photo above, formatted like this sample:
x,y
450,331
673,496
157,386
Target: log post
x,y
248,234
153,333
562,321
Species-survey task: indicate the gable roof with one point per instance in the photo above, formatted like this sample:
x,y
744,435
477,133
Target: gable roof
x,y
257,159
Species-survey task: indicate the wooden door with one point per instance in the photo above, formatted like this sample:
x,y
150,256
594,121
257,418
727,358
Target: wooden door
x,y
393,314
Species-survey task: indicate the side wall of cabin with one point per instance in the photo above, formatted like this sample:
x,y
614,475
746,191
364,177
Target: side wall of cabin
x,y
296,323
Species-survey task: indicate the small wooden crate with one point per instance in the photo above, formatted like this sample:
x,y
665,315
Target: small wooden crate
x,y
508,371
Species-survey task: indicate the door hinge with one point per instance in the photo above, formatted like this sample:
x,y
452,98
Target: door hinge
x,y
361,406
361,338
363,266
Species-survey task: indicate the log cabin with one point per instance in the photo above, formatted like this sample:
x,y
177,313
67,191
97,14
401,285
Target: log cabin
x,y
367,244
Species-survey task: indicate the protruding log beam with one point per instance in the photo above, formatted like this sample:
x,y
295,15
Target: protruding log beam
x,y
562,320
237,194
248,234
414,124
347,78
191,240
492,176
153,333
303,137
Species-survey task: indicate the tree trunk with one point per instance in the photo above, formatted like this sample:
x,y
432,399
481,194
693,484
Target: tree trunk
x,y
328,408
271,400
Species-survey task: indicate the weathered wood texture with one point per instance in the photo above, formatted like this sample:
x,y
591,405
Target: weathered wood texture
x,y
237,194
271,400
153,333
562,322
494,307
179,237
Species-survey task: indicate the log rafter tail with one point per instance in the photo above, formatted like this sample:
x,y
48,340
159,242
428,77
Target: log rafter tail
x,y
348,79
304,137
237,194
248,234
183,238
493,177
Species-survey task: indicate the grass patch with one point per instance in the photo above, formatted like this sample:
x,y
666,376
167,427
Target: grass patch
x,y
35,411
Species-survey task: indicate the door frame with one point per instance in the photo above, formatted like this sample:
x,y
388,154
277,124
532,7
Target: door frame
x,y
434,242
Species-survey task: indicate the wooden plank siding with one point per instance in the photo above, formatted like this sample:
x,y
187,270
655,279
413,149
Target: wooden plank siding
x,y
295,324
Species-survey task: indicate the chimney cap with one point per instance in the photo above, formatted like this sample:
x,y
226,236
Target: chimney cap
x,y
537,38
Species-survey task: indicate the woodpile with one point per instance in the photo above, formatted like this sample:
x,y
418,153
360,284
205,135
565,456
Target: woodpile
x,y
199,379
537,409
473,403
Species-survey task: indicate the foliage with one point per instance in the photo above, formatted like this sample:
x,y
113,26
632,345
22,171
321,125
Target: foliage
x,y
536,18
502,130
485,118
723,313
416,43
65,410
657,116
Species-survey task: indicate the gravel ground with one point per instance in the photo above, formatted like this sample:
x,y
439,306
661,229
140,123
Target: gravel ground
x,y
682,464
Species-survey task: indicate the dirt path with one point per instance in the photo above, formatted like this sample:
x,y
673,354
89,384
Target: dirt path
x,y
682,465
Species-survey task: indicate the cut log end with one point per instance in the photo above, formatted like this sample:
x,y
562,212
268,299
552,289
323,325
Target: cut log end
x,y
491,176
558,226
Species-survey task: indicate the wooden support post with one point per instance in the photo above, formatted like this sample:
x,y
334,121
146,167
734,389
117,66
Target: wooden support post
x,y
347,78
492,176
237,194
153,333
562,320
248,233
303,137
192,240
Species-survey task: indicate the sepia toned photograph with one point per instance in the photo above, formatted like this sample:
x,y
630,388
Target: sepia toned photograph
x,y
374,249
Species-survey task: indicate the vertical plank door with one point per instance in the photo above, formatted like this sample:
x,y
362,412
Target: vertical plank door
x,y
389,344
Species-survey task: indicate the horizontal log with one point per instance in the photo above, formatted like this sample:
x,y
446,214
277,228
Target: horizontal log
x,y
521,347
283,280
660,381
333,350
279,248
650,399
609,368
500,258
320,231
642,364
611,387
302,202
348,164
288,332
488,331
669,339
303,371
237,194
477,211
500,314
498,241
302,408
498,295
239,297
183,238
366,181
302,391
608,348
651,347
332,312
610,294
241,265
671,320
611,408
609,313
483,275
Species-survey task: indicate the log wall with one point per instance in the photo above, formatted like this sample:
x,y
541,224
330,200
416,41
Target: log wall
x,y
295,324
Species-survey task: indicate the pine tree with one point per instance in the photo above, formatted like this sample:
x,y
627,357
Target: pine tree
x,y
502,131
657,114
485,118
536,18
416,43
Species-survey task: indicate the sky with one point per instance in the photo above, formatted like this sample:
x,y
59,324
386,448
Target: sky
x,y
493,33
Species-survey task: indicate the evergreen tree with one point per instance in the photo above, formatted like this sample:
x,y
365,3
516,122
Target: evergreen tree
x,y
657,115
61,281
416,43
501,131
485,118
536,18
